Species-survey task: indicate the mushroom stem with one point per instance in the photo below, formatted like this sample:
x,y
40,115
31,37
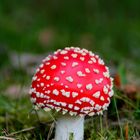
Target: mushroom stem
x,y
69,128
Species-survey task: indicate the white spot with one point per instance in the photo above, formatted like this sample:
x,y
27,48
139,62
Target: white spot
x,y
67,94
57,108
41,66
76,108
57,103
41,95
62,71
46,59
34,78
44,88
53,67
74,64
47,91
93,59
68,48
64,93
111,86
81,91
100,112
111,93
48,77
37,70
79,85
97,56
92,102
56,79
86,112
82,58
74,94
87,70
74,55
79,73
38,79
83,53
31,90
36,107
85,108
107,86
52,84
76,49
66,86
85,99
96,71
48,63
78,102
102,98
71,113
63,64
51,106
37,94
105,89
45,101
48,85
62,84
69,78
70,106
97,107
40,104
66,57
100,61
89,86
63,52
106,74
42,84
75,113
44,76
90,62
96,94
55,92
108,100
97,81
46,97
33,100
80,51
63,104
55,57
91,53
105,106
56,52
51,101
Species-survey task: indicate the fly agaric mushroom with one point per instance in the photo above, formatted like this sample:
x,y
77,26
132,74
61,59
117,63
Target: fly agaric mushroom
x,y
75,82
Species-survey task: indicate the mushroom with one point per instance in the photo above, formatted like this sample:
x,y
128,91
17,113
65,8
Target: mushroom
x,y
76,83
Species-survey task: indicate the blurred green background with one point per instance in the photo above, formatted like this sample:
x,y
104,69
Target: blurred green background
x,y
31,29
111,28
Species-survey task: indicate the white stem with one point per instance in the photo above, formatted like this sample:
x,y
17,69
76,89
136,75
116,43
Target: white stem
x,y
69,128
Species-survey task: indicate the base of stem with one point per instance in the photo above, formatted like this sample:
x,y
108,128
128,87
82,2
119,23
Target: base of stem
x,y
69,128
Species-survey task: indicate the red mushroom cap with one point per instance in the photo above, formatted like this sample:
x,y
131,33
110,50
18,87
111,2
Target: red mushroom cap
x,y
72,80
